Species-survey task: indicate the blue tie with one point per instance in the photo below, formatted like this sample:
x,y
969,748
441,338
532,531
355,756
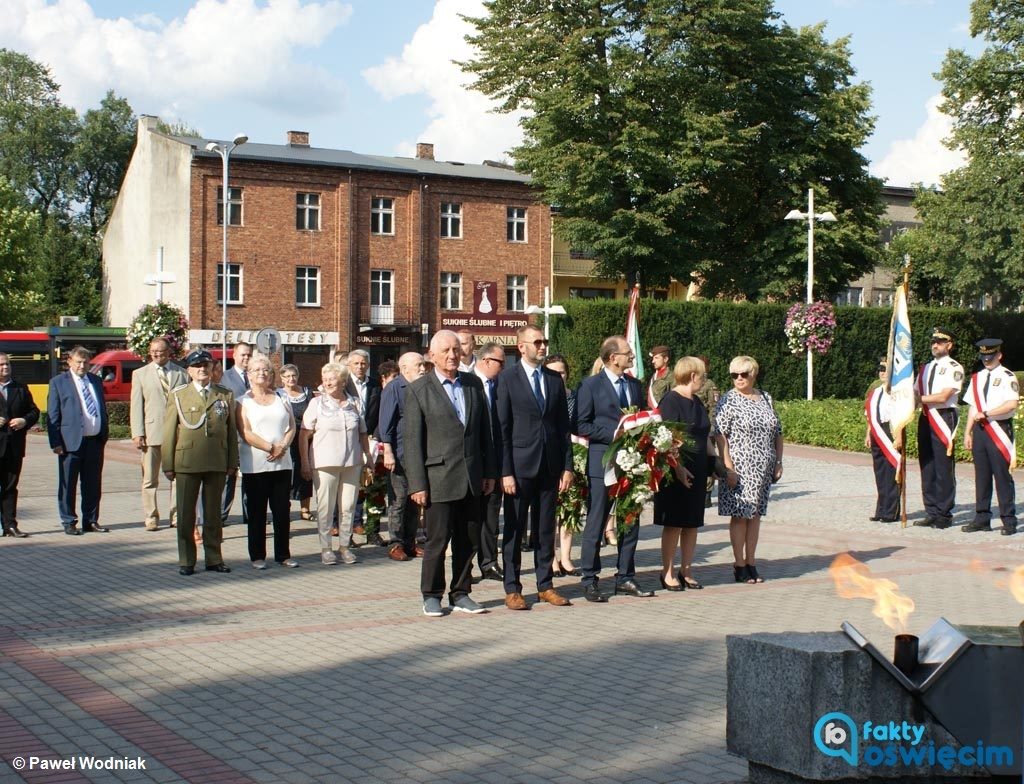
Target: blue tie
x,y
536,389
90,401
490,396
623,400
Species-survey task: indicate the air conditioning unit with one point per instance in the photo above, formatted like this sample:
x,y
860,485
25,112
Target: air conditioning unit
x,y
71,321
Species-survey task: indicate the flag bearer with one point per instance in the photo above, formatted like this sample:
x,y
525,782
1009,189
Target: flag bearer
x,y
884,455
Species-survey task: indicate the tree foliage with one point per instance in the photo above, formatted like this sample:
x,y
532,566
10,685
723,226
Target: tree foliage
x,y
673,136
19,228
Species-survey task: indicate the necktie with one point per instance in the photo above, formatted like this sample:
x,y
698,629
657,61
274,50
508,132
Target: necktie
x,y
490,397
984,391
245,378
203,392
90,401
536,389
931,378
623,399
162,373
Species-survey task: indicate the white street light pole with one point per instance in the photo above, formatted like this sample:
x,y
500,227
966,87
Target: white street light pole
x,y
810,216
224,151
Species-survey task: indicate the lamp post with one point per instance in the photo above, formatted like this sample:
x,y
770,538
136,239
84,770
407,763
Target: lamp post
x,y
224,150
810,216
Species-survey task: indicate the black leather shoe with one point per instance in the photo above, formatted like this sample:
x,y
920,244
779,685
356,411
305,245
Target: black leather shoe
x,y
493,573
942,522
874,519
1004,532
887,519
593,594
186,571
95,527
631,588
222,568
70,530
926,523
974,527
15,533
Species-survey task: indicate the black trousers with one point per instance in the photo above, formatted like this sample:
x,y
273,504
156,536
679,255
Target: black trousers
x,y
483,533
938,479
534,495
590,555
229,498
86,466
403,514
448,521
257,490
989,466
10,473
887,506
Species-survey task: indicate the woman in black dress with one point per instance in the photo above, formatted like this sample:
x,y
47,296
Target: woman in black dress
x,y
298,398
679,507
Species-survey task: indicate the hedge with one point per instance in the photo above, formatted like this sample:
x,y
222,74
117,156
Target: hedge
x,y
722,330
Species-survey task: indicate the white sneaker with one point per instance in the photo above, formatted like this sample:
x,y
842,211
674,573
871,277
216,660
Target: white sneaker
x,y
346,556
259,564
290,562
328,558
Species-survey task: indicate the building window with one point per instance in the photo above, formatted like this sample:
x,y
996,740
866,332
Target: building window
x,y
851,296
382,216
516,224
382,307
883,298
515,293
451,220
451,291
234,284
307,287
234,206
578,293
307,211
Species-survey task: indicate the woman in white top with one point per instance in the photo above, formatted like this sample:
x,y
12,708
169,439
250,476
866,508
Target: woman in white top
x,y
334,447
266,428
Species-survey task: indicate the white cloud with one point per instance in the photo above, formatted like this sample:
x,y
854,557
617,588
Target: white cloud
x,y
461,126
221,49
924,158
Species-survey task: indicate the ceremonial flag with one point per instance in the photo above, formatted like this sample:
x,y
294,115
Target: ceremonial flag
x,y
633,333
899,378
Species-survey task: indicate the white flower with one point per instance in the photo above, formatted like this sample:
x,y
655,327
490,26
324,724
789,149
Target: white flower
x,y
662,439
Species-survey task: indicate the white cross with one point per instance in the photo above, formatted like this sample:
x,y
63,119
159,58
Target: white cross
x,y
548,310
161,277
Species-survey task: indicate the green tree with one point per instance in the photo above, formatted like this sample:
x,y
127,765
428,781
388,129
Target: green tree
x,y
19,230
70,276
101,156
674,136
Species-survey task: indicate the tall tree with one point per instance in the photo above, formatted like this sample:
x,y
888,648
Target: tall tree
x,y
101,156
19,234
675,135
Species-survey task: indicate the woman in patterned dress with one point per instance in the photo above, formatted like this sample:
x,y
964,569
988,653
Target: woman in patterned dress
x,y
749,439
298,398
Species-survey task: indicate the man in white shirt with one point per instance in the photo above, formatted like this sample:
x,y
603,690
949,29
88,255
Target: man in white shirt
x,y
467,349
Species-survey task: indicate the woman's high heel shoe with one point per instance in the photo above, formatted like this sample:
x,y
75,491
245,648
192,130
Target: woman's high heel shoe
x,y
689,582
572,572
559,572
752,575
611,539
740,573
667,587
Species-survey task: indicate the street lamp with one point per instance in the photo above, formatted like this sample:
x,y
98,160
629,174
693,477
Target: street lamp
x,y
224,151
810,216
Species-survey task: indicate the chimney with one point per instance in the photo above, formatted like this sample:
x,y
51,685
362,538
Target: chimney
x,y
425,151
298,138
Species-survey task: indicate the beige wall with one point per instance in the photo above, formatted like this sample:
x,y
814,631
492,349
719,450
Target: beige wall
x,y
152,210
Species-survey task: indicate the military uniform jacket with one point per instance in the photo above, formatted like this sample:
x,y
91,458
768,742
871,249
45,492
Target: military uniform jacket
x,y
199,436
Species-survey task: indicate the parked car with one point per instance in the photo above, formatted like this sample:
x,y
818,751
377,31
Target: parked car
x,y
115,370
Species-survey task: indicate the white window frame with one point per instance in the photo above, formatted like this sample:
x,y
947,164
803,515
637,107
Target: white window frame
x,y
451,220
515,224
515,289
451,288
235,271
382,216
234,200
382,282
302,276
307,209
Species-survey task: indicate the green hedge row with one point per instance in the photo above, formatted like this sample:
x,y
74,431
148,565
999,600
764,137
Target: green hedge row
x,y
722,330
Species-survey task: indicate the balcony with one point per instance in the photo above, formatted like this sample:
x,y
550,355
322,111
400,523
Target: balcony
x,y
388,316
572,263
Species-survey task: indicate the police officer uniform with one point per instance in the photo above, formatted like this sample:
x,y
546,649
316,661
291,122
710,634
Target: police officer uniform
x,y
936,433
994,451
200,445
884,456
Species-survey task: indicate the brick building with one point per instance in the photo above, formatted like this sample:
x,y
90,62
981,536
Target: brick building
x,y
328,246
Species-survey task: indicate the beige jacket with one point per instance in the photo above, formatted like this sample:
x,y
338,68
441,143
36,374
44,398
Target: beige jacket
x,y
149,400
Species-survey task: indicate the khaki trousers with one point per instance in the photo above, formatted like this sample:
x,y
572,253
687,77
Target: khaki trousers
x,y
150,482
211,484
332,485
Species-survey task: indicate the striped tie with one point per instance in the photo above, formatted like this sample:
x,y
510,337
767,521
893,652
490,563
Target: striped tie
x,y
90,401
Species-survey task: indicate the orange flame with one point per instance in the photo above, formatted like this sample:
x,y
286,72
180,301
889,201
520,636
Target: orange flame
x,y
1017,584
854,581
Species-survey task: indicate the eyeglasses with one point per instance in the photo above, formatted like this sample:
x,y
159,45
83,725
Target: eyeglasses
x,y
882,368
541,342
744,374
623,354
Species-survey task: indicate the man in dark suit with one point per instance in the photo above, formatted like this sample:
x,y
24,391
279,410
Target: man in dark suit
x,y
368,389
236,380
536,463
76,422
18,412
488,364
600,402
449,464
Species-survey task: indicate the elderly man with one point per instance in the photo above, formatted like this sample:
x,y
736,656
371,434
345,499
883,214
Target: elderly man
x,y
490,360
18,412
199,448
403,517
467,351
76,422
236,379
150,386
450,464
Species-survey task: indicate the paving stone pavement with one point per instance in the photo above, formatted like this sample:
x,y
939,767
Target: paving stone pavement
x,y
333,674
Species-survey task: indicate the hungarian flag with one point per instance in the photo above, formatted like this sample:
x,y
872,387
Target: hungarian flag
x,y
899,379
633,333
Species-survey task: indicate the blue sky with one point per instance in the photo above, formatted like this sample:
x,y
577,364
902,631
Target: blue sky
x,y
376,76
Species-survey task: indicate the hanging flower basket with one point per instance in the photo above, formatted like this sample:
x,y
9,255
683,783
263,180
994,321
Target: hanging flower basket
x,y
161,320
810,327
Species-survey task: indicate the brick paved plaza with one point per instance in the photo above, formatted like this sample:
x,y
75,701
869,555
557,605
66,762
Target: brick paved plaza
x,y
333,674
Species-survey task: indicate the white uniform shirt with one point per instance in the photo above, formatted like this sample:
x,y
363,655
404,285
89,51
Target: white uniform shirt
x,y
998,386
943,373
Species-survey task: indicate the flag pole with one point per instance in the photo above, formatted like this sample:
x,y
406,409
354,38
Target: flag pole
x,y
903,434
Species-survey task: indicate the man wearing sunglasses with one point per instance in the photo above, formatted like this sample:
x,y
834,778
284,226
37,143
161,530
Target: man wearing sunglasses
x,y
600,401
483,531
536,464
938,387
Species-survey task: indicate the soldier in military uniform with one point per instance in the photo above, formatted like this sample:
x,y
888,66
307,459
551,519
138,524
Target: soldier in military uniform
x,y
938,387
993,397
661,380
200,448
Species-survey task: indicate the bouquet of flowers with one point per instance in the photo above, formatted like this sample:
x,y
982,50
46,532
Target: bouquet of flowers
x,y
639,461
569,513
374,495
161,320
810,327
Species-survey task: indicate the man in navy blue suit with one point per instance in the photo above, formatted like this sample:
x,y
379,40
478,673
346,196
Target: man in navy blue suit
x,y
536,463
600,401
77,426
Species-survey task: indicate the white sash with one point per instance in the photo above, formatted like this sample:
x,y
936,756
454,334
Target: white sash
x,y
878,434
999,437
937,423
